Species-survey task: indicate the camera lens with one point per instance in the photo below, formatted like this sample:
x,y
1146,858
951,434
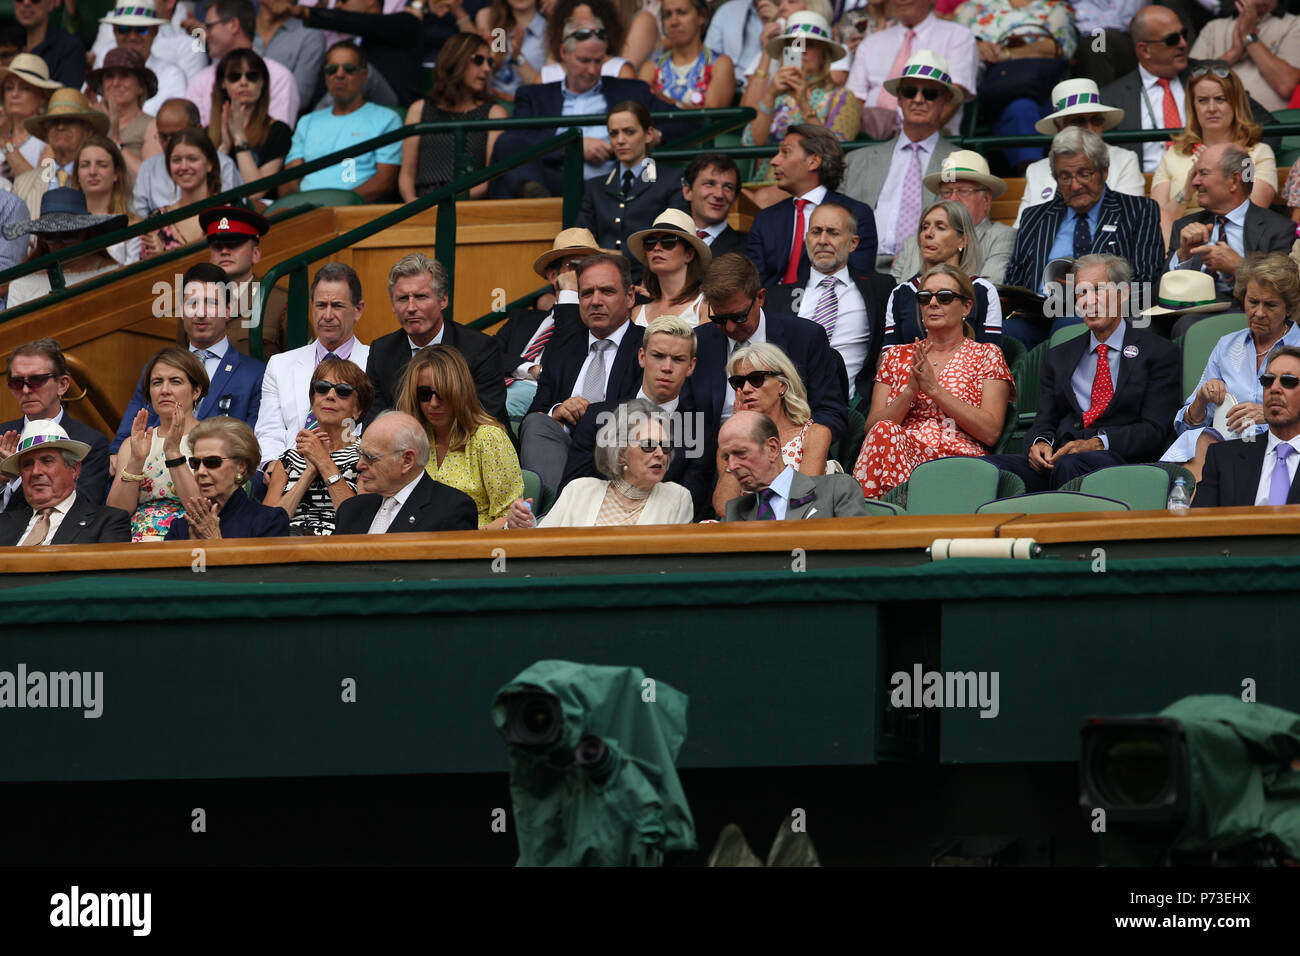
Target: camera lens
x,y
533,719
591,751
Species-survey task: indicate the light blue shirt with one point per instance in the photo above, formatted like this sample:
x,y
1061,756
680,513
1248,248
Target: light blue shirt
x,y
586,104
735,30
321,133
781,500
1235,228
1086,370
1063,247
506,78
218,351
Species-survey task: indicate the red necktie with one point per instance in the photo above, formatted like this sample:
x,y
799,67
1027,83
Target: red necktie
x,y
796,250
1172,119
702,233
534,350
1102,389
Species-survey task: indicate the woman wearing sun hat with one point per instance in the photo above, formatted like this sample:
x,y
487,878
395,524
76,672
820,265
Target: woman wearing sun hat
x,y
26,86
121,87
63,222
64,125
675,259
1078,103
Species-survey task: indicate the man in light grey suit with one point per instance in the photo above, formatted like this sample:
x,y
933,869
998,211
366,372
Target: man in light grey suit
x,y
965,177
750,448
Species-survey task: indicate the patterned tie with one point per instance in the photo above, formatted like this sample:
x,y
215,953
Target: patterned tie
x,y
1281,482
1082,236
702,233
534,351
909,200
765,511
386,513
887,100
593,384
1221,283
1172,119
828,306
627,183
203,355
330,355
42,526
796,250
1102,387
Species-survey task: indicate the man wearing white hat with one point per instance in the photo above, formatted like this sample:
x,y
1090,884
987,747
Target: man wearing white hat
x,y
890,177
61,50
48,462
1078,103
965,177
135,25
66,124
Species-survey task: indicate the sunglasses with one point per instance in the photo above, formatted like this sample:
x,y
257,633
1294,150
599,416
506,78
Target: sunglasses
x,y
909,92
478,59
342,389
234,76
722,318
1289,381
755,379
1172,39
210,462
945,297
348,68
1218,67
648,445
666,243
32,382
423,394
125,31
581,35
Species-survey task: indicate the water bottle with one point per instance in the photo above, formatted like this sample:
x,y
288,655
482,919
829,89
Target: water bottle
x,y
1179,501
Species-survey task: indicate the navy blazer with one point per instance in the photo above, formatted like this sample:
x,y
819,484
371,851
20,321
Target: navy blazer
x,y
559,379
546,99
236,390
92,483
431,506
513,335
773,231
731,240
1232,473
85,523
391,353
242,517
1148,392
1127,226
612,218
819,365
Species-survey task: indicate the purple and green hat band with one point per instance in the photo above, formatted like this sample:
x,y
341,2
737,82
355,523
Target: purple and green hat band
x,y
925,71
1078,99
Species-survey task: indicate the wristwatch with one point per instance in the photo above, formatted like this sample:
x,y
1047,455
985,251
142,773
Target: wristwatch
x,y
1250,38
9,146
239,148
333,478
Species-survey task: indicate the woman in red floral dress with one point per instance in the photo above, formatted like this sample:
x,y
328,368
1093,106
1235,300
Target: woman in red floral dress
x,y
942,396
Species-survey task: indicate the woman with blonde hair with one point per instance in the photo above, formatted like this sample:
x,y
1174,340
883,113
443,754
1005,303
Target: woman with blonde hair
x,y
469,450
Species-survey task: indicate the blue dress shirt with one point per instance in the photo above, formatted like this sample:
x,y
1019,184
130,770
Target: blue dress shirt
x,y
1063,247
1086,370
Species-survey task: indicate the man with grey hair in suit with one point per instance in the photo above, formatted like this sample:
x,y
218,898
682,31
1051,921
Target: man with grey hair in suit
x,y
750,449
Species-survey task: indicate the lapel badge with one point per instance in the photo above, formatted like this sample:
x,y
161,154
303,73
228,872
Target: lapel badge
x,y
649,174
230,368
411,519
81,523
1130,351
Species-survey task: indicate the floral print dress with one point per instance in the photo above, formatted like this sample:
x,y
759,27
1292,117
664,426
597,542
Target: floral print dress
x,y
991,21
687,85
159,503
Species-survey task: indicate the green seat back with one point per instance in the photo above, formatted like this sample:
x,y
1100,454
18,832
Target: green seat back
x,y
1050,502
1199,342
1066,333
543,495
1008,429
1028,375
1290,151
1141,487
855,433
875,506
316,197
950,486
1013,350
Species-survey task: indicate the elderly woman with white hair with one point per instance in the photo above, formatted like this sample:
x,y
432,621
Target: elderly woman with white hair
x,y
634,448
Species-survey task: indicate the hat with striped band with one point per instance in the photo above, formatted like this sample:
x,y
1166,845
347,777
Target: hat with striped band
x,y
1072,97
1186,290
806,25
37,436
926,65
134,13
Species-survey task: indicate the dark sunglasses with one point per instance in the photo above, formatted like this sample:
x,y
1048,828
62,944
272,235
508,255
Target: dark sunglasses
x,y
1218,67
581,35
909,92
423,393
945,297
648,445
722,318
348,68
234,76
210,462
478,59
666,243
342,389
1288,380
31,381
756,379
1172,39
138,31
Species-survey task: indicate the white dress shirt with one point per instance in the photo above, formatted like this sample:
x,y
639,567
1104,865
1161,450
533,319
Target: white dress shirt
x,y
389,507
1152,108
61,510
436,340
669,406
815,197
729,393
892,190
617,338
713,231
781,500
852,332
566,297
1270,462
218,350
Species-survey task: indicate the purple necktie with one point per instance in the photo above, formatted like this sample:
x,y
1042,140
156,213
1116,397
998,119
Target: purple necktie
x,y
909,200
1281,484
765,511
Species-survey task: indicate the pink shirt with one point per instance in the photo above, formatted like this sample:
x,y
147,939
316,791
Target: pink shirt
x,y
284,93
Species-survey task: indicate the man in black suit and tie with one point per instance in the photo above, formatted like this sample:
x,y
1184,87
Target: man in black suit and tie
x,y
38,379
395,493
1107,397
1254,472
586,369
711,186
582,92
849,305
809,166
49,464
417,288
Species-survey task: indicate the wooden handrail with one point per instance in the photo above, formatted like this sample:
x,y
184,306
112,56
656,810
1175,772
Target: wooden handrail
x,y
91,392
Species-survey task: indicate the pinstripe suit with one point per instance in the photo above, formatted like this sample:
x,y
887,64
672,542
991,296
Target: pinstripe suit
x,y
1133,233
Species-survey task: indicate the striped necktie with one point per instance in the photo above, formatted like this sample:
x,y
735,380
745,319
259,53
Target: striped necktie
x,y
534,351
828,306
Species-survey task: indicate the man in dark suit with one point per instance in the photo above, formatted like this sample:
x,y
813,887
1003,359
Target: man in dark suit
x,y
38,379
667,358
417,289
1254,472
711,186
395,494
738,316
809,166
750,449
1085,217
1107,398
235,379
582,92
849,305
49,464
586,369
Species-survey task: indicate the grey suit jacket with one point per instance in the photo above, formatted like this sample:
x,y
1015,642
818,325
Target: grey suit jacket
x,y
821,496
997,242
1265,231
868,168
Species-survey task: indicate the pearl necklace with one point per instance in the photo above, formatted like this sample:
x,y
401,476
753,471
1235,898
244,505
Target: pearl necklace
x,y
630,491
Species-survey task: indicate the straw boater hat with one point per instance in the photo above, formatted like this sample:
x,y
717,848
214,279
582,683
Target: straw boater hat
x,y
964,164
674,222
122,58
30,69
66,103
926,65
569,242
38,435
809,26
134,13
1186,290
63,209
1072,97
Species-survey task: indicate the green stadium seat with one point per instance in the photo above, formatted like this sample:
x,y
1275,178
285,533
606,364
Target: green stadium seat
x,y
1175,470
855,433
1290,151
946,486
875,506
1199,342
1013,350
543,495
1010,484
1050,502
1008,429
1028,375
1141,487
316,197
1066,333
